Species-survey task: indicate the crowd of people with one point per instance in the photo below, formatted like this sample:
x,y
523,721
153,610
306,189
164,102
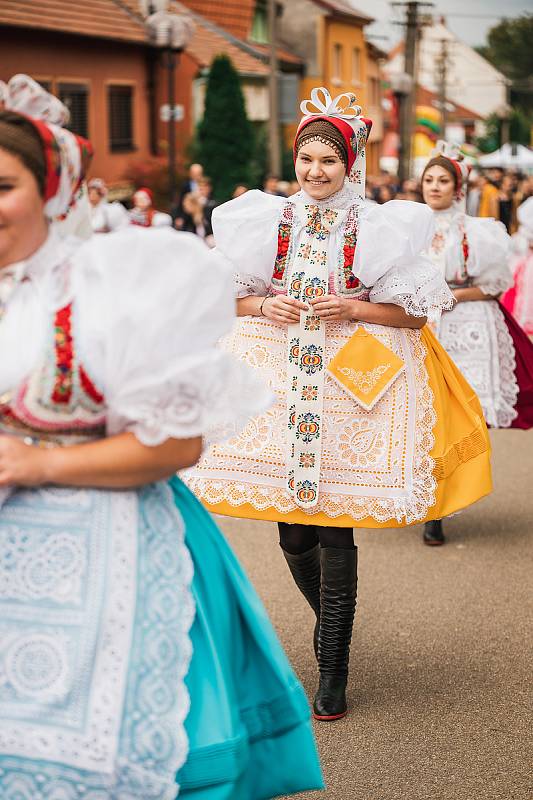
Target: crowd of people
x,y
341,375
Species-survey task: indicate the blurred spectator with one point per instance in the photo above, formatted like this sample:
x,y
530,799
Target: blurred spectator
x,y
270,186
205,195
294,187
473,195
488,198
509,200
195,218
196,173
105,217
143,212
239,189
384,194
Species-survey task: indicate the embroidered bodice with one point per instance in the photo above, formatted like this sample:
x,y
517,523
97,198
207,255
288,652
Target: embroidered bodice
x,y
58,402
470,251
111,335
373,252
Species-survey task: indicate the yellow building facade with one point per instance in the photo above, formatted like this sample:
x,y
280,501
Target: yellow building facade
x,y
338,57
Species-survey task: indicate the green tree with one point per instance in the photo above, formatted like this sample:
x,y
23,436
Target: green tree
x,y
225,135
509,48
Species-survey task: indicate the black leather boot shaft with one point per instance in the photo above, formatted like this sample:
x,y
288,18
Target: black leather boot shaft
x,y
305,569
337,609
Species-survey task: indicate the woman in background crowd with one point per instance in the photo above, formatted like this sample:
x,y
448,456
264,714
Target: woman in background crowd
x,y
143,212
105,217
488,346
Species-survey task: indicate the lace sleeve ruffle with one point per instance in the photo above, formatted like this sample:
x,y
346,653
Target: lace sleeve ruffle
x,y
389,259
488,262
152,307
420,291
212,395
245,231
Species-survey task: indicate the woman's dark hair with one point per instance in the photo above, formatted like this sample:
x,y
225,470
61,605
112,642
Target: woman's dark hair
x,y
445,163
19,137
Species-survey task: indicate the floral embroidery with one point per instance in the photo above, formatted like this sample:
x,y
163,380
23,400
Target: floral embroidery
x,y
438,242
308,427
312,359
296,284
64,353
307,492
309,393
362,443
365,381
314,287
284,242
307,460
347,282
312,323
294,351
314,226
305,249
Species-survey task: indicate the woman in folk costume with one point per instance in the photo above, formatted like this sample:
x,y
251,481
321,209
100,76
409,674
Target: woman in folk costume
x,y
143,212
490,349
105,217
373,426
518,300
136,659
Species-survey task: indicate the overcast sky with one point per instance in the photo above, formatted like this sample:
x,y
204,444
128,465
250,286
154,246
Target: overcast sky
x,y
469,21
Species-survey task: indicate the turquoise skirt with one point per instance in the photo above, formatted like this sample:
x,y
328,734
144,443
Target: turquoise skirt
x,y
249,726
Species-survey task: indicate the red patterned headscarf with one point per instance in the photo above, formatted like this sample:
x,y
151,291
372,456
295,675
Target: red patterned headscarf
x,y
344,116
67,156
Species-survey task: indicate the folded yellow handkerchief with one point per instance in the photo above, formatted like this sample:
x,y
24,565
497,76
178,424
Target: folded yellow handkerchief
x,y
365,368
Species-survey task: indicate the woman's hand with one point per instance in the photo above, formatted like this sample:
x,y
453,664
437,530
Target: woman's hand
x,y
282,309
21,464
469,294
331,308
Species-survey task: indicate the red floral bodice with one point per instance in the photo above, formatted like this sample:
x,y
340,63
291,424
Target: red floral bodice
x,y
58,403
342,281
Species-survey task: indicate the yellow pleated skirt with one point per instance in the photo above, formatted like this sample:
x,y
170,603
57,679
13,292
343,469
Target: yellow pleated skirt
x,y
461,453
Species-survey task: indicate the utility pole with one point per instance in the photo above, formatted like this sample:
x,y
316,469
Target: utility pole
x,y
442,68
273,121
412,27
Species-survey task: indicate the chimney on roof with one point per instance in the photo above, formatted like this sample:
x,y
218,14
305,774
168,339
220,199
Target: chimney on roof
x,y
149,7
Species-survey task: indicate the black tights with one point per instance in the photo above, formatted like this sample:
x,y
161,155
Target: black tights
x,y
297,539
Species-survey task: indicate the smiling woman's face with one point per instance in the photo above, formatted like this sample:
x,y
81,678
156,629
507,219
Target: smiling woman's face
x,y
319,170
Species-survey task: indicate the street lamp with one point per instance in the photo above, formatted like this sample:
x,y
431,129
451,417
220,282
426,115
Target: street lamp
x,y
401,84
171,32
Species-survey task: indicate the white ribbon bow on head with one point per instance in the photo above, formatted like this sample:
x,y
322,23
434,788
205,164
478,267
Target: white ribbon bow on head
x,y
447,150
326,106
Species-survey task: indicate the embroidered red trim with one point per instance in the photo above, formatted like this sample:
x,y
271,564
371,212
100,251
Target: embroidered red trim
x,y
89,388
284,238
64,353
466,252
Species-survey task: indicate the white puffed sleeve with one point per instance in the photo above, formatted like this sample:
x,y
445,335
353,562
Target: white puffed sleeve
x,y
389,258
489,247
151,306
246,235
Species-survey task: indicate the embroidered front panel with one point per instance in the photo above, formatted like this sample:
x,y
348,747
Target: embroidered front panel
x,y
95,610
283,255
373,463
346,284
59,400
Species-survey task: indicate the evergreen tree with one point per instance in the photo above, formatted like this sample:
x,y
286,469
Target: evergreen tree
x,y
225,135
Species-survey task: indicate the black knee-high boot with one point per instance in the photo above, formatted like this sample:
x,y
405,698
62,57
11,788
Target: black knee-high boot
x,y
338,597
305,569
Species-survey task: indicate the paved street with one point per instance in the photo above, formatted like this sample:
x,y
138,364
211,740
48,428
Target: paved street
x,y
439,696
